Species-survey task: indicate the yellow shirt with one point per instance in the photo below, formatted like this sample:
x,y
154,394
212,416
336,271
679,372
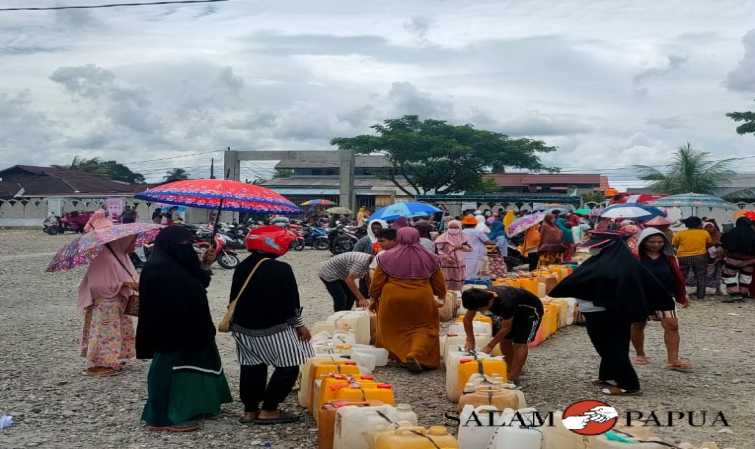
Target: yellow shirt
x,y
691,242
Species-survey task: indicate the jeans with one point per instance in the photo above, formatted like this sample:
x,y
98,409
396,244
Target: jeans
x,y
343,298
254,387
610,334
698,265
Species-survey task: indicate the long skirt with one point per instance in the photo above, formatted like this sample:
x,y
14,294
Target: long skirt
x,y
737,275
108,334
454,276
185,386
407,322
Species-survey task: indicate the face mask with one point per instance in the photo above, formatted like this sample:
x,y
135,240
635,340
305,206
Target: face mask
x,y
454,231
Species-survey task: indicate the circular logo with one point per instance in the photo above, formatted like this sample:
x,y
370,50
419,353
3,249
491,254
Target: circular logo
x,y
590,417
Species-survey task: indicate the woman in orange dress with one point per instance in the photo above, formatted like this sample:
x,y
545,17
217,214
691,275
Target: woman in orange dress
x,y
403,286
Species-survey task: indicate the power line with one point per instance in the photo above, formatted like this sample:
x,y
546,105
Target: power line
x,y
172,157
110,5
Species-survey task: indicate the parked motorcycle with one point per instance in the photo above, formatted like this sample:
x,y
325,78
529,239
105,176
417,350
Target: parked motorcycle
x,y
226,257
314,237
341,239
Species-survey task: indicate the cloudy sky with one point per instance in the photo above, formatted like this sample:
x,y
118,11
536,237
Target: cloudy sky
x,y
611,83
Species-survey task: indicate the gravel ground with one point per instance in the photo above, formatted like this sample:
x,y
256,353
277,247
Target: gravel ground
x,y
55,406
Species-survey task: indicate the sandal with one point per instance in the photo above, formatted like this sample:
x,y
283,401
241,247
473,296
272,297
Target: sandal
x,y
603,383
110,372
283,418
248,418
413,366
682,366
617,391
641,360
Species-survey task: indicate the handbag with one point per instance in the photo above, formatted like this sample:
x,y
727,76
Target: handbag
x,y
225,323
132,306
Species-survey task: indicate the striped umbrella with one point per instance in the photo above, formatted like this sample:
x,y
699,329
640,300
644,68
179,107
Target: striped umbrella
x,y
318,202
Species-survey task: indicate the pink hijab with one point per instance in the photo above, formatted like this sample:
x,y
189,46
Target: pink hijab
x,y
408,260
105,276
455,240
98,220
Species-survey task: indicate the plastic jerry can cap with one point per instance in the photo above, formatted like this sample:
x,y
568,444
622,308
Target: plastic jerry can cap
x,y
386,386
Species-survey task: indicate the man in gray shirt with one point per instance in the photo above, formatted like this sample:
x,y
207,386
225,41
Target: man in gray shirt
x,y
339,274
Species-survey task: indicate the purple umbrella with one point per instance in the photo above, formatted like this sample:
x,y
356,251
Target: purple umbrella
x,y
522,224
85,248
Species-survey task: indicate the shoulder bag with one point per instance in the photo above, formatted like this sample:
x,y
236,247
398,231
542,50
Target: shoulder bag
x,y
225,324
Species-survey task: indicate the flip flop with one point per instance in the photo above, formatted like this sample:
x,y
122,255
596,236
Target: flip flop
x,y
681,366
603,383
284,418
616,391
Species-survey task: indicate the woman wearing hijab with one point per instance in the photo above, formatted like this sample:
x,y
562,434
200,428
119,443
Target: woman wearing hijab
x,y
450,247
369,243
108,285
406,278
657,255
529,246
425,239
267,326
481,226
100,219
477,239
551,248
186,380
497,262
739,260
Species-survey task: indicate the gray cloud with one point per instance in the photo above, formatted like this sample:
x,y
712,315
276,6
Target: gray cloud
x,y
418,26
88,81
742,78
539,124
404,98
675,62
672,122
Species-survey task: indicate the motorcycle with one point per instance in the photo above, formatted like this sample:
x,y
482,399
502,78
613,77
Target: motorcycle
x,y
341,239
314,237
52,225
226,257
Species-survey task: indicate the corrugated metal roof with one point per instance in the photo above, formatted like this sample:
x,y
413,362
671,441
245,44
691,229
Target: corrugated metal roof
x,y
45,181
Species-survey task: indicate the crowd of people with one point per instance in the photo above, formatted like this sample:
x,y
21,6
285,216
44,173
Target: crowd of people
x,y
397,271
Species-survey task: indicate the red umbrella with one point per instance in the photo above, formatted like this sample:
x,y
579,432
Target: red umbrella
x,y
220,194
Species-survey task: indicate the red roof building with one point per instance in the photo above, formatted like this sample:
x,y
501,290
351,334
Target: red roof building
x,y
549,182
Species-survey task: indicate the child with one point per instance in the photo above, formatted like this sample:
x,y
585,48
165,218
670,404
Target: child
x,y
516,316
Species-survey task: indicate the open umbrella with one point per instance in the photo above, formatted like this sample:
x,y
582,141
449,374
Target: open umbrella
x,y
659,221
583,211
408,209
318,203
693,200
222,194
85,248
522,224
339,211
632,211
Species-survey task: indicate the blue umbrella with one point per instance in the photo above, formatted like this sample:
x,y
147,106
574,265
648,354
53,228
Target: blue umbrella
x,y
398,210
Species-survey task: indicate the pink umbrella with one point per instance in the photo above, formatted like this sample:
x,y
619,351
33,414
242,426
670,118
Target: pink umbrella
x,y
84,249
659,221
522,224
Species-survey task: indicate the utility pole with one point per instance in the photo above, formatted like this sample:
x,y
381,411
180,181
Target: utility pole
x,y
212,168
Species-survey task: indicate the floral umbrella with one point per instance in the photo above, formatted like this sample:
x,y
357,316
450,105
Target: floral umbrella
x,y
85,248
522,224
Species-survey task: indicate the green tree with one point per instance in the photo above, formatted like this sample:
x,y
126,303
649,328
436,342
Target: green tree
x,y
691,171
283,173
748,117
176,174
108,169
433,155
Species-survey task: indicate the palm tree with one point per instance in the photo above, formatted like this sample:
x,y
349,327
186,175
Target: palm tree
x,y
176,174
691,171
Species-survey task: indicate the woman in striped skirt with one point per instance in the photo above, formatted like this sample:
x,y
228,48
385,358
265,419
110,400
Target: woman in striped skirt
x,y
267,326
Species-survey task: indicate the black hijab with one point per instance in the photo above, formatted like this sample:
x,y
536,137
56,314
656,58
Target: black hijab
x,y
174,314
613,279
741,239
